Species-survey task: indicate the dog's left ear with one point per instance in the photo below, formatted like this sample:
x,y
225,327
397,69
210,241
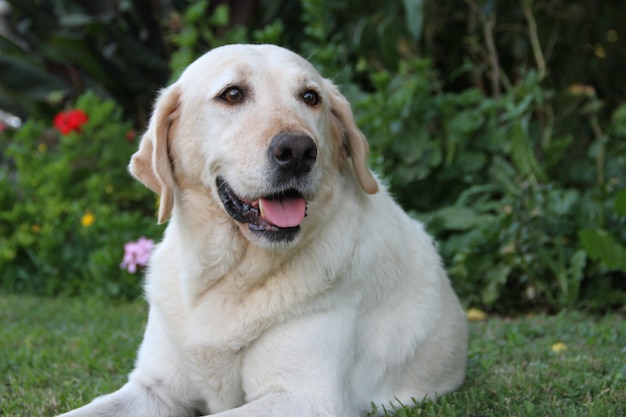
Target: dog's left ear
x,y
151,164
354,140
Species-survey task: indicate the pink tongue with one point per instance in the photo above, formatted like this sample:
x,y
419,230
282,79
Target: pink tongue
x,y
287,212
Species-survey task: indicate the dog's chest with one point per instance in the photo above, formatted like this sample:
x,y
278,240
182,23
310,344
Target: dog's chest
x,y
210,323
210,340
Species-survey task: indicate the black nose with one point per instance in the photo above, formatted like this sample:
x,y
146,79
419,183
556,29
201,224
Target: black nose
x,y
293,153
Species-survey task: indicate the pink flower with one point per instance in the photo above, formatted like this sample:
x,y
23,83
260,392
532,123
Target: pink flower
x,y
136,253
69,121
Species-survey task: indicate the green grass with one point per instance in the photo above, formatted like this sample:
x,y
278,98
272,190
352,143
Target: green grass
x,y
57,354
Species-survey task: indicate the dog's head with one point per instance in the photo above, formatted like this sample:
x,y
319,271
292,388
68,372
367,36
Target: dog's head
x,y
258,131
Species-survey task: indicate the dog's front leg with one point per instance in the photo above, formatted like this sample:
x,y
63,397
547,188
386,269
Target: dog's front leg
x,y
280,404
299,369
156,387
133,400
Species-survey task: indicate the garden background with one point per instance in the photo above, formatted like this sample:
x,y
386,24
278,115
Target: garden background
x,y
500,124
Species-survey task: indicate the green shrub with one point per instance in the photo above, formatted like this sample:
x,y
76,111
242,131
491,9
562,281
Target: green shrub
x,y
512,153
522,213
71,205
601,245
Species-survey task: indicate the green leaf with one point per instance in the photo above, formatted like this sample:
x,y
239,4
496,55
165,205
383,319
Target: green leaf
x,y
270,33
561,202
577,266
600,245
457,217
496,278
620,203
76,20
523,155
221,16
414,17
618,120
196,11
74,50
28,79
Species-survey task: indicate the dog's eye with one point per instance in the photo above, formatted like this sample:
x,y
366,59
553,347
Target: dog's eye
x,y
310,98
232,95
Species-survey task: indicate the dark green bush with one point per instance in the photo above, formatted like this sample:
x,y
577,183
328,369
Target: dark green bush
x,y
508,221
483,125
59,49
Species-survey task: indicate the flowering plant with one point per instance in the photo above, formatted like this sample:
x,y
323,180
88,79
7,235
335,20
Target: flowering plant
x,y
70,205
70,121
137,253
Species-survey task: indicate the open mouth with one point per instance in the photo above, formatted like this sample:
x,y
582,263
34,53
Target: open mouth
x,y
278,216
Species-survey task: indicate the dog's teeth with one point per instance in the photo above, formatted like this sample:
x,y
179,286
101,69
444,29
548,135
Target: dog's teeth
x,y
261,210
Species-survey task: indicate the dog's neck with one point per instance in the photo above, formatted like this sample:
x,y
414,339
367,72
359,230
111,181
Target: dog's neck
x,y
218,254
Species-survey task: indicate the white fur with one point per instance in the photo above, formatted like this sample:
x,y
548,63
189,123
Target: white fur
x,y
357,309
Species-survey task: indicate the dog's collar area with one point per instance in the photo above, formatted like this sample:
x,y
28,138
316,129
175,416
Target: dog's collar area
x,y
277,216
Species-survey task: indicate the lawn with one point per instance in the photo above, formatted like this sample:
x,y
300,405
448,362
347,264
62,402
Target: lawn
x,y
56,354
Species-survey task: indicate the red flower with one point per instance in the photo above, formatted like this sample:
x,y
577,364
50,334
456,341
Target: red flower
x,y
69,121
131,135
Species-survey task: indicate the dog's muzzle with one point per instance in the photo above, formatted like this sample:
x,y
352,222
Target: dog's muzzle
x,y
278,215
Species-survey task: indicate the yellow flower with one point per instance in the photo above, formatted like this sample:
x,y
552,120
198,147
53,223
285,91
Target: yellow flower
x,y
581,90
559,347
599,51
87,219
474,314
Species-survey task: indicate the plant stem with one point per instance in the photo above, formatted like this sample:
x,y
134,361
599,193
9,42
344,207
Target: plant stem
x,y
534,42
597,131
488,25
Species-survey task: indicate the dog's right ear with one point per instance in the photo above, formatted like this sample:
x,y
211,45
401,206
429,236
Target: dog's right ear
x,y
151,164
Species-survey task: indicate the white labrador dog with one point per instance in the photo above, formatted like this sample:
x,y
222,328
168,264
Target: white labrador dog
x,y
288,282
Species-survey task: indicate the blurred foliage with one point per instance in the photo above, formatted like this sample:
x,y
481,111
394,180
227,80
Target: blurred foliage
x,y
70,206
58,49
500,124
